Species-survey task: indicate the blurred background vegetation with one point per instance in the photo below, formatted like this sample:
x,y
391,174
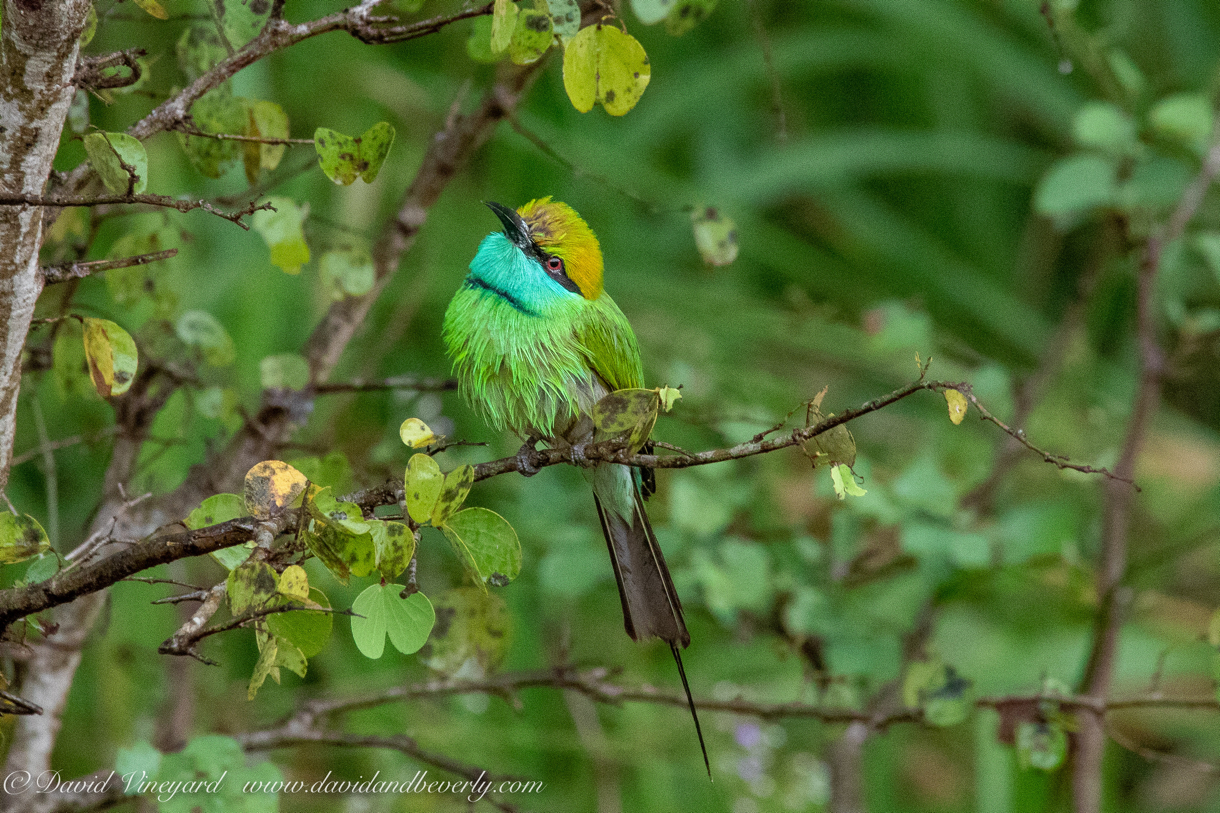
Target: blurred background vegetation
x,y
880,160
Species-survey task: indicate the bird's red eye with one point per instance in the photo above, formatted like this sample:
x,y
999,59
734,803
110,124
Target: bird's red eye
x,y
554,264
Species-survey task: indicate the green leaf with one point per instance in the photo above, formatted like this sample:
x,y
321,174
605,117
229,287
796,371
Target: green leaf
x,y
1185,117
217,509
631,412
834,446
565,18
112,357
273,653
652,11
486,545
1156,183
210,776
199,49
347,272
86,35
422,486
344,158
217,111
338,535
715,236
686,14
21,538
945,697
284,371
1040,745
283,232
202,330
1074,186
1107,127
141,759
250,587
264,120
844,482
503,23
334,470
307,630
380,612
532,36
395,546
603,64
453,493
120,160
41,568
242,20
478,44
471,636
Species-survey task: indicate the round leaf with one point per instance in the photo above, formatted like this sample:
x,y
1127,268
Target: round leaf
x,y
415,433
21,538
308,630
486,544
202,330
395,546
422,486
120,160
472,635
532,36
715,236
112,357
957,406
453,494
347,272
380,612
285,371
283,232
271,487
603,64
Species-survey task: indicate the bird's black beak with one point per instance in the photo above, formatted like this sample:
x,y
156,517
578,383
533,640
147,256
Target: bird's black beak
x,y
515,229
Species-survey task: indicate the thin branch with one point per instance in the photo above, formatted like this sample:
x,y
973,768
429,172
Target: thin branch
x,y
54,274
1090,740
186,129
148,200
90,71
400,382
85,578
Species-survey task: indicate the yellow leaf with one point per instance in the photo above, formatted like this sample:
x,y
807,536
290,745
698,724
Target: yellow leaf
x,y
415,433
112,357
272,486
154,8
294,583
603,64
957,406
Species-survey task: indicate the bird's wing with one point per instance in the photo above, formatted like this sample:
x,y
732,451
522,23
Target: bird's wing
x,y
608,344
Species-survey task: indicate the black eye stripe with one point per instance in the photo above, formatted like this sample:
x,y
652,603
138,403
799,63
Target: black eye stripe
x,y
560,275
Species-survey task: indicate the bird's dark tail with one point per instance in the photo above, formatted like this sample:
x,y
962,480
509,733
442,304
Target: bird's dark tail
x,y
651,608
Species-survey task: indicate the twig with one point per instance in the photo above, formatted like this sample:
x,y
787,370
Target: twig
x,y
1089,742
186,129
148,200
401,382
54,274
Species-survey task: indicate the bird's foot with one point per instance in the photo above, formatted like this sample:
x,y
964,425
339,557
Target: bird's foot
x,y
576,455
525,458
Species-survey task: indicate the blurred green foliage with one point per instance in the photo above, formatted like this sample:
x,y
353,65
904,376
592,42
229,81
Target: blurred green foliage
x,y
964,181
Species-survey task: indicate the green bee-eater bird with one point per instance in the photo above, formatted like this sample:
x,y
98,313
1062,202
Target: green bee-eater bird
x,y
535,343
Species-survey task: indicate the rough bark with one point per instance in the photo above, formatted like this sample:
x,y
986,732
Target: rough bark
x,y
39,41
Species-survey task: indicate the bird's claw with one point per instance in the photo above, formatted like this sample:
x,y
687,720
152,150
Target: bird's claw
x,y
576,456
525,459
